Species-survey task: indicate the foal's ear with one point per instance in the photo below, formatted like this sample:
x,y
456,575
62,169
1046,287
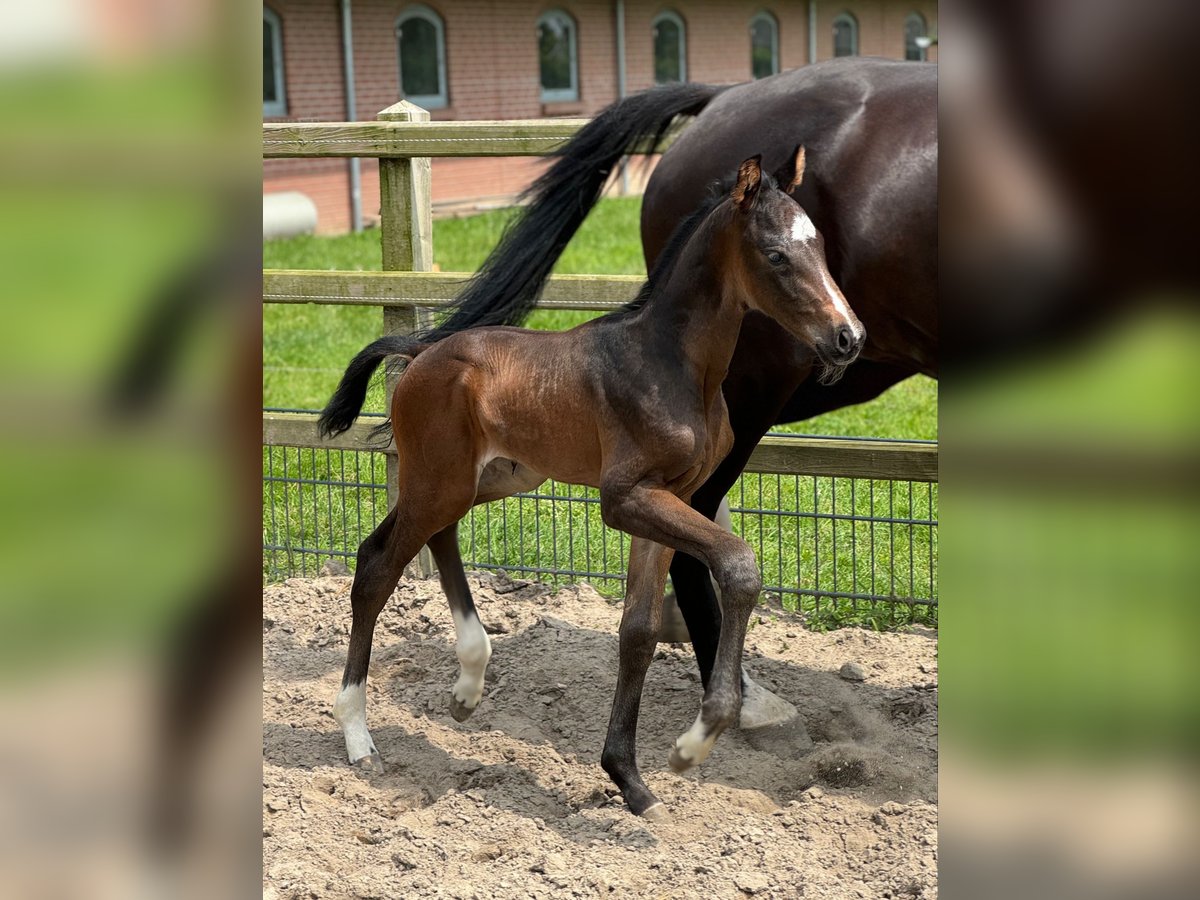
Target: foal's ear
x,y
791,173
748,181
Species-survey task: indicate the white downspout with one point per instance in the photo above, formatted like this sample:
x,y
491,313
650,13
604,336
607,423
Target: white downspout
x,y
621,87
812,31
351,115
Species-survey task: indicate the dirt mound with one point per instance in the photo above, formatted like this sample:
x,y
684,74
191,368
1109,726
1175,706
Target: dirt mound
x,y
513,803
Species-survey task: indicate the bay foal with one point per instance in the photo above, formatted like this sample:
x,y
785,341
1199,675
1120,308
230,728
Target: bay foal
x,y
630,403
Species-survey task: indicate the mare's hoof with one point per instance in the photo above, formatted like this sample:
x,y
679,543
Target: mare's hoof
x,y
656,813
460,711
678,761
762,709
789,740
372,765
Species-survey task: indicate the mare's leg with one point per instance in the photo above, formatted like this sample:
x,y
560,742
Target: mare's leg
x,y
766,367
654,513
640,621
471,641
755,404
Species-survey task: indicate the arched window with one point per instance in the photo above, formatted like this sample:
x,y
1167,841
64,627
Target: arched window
x,y
914,27
845,35
274,95
670,48
558,57
764,45
421,37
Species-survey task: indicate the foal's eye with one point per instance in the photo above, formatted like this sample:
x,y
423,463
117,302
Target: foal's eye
x,y
774,257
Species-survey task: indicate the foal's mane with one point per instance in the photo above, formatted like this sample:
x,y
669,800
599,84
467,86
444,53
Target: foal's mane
x,y
665,264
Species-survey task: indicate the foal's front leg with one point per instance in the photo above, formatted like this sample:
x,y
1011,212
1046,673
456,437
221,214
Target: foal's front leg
x,y
640,622
652,512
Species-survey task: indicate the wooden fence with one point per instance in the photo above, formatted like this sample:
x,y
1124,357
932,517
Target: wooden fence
x,y
408,293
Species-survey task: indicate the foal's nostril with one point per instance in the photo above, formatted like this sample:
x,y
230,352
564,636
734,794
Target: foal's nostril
x,y
845,339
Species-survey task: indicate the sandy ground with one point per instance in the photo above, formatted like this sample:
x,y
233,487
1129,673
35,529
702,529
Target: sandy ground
x,y
514,804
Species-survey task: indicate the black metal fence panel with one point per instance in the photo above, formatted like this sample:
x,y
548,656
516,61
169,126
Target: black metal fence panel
x,y
838,550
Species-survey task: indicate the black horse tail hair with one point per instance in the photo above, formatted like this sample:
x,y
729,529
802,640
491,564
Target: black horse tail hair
x,y
347,401
508,284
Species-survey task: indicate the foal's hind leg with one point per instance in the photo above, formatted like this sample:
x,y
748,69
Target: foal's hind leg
x,y
471,642
380,565
381,561
640,622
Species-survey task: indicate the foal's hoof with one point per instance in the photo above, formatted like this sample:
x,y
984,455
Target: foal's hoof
x,y
656,813
460,711
372,764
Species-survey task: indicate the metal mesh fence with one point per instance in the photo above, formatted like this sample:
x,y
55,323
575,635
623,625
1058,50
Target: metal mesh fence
x,y
839,550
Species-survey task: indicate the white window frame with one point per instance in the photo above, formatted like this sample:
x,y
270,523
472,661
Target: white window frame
x,y
668,15
278,106
765,16
923,51
853,23
561,95
441,99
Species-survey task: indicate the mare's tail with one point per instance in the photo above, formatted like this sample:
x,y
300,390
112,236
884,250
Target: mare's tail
x,y
347,401
507,285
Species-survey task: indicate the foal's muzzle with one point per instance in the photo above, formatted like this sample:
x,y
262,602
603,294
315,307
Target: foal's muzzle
x,y
843,346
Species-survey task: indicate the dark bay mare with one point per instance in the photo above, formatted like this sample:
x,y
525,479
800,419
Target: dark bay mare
x,y
871,130
630,403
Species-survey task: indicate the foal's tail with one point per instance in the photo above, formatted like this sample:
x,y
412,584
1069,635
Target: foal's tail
x,y
347,401
507,285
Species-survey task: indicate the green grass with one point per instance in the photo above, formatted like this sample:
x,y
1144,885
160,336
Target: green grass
x,y
305,349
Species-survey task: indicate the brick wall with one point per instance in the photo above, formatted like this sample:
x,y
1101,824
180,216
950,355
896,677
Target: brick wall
x,y
880,26
492,73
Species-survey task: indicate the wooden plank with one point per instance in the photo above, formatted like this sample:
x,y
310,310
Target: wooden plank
x,y
516,137
846,457
406,225
435,289
839,457
406,238
300,430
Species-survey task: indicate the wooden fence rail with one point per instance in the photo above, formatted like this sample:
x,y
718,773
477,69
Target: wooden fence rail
x,y
435,289
396,138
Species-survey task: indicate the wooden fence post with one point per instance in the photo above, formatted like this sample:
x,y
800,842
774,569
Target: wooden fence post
x,y
406,234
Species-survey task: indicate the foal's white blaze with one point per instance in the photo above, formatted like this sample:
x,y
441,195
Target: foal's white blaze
x,y
839,304
350,711
803,228
692,746
473,649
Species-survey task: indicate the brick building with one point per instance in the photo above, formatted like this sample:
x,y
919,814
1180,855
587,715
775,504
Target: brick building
x,y
521,59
